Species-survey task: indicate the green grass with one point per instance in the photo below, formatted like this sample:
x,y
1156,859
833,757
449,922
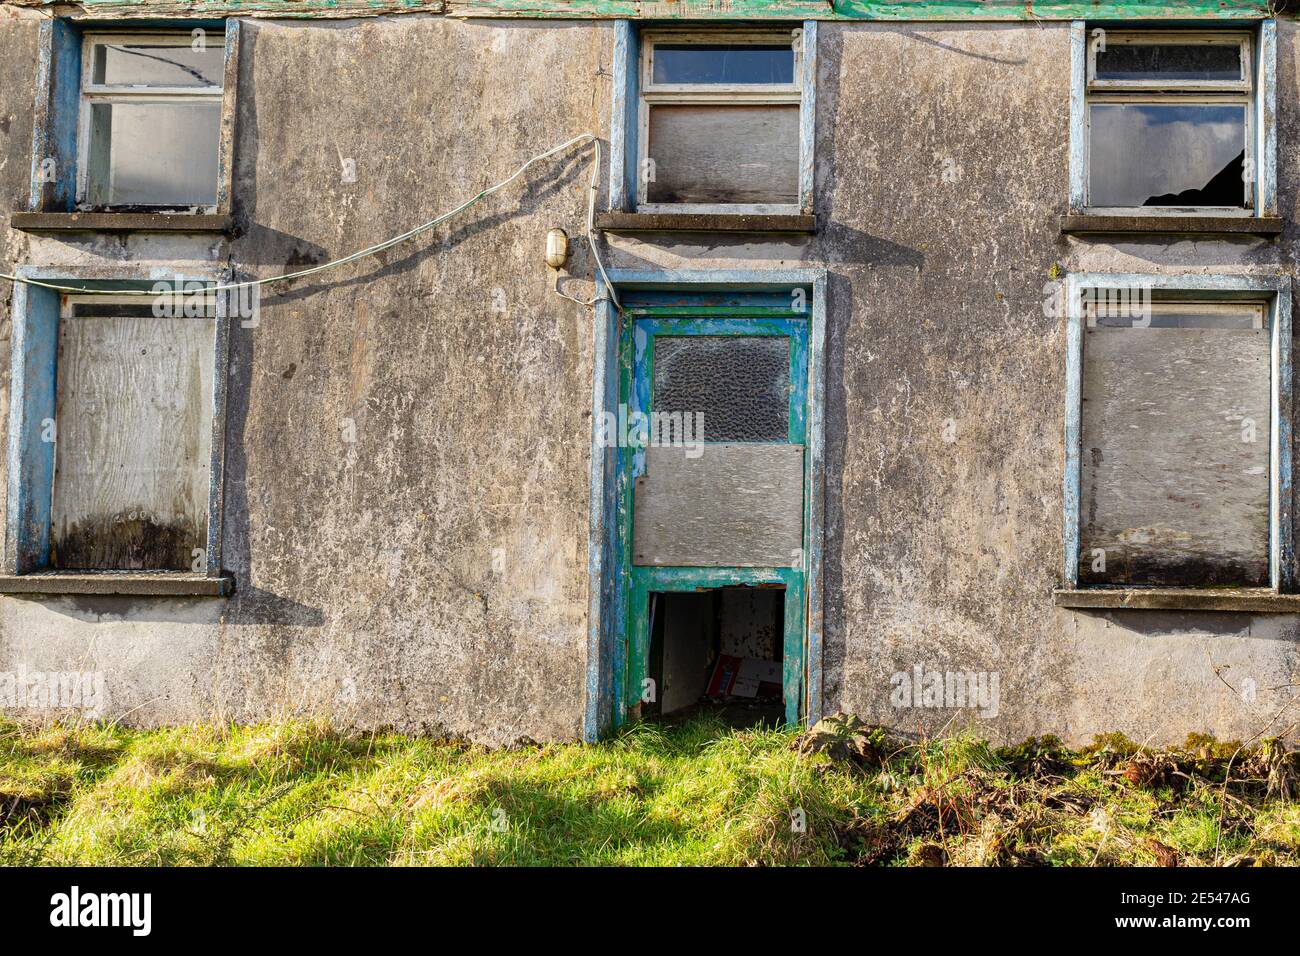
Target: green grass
x,y
698,794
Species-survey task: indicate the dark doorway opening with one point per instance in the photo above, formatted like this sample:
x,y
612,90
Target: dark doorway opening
x,y
718,651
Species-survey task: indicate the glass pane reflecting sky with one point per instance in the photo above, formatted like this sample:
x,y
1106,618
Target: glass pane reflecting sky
x,y
141,64
1155,154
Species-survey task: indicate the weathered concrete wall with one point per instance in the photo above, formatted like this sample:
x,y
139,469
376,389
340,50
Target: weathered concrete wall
x,y
945,395
433,574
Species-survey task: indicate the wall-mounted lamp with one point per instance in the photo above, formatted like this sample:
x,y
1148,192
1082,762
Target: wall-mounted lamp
x,y
557,248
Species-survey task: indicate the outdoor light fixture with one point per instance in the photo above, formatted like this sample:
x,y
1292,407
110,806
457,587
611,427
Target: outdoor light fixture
x,y
557,248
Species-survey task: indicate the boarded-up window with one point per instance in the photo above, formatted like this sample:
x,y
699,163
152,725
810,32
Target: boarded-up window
x,y
134,434
724,154
1175,456
720,120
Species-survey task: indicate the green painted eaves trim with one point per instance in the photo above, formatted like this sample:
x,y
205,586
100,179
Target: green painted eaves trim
x,y
914,10
1097,10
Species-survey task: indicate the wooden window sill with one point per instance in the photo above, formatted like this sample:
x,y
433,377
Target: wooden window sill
x,y
1082,224
1258,600
156,583
704,222
120,222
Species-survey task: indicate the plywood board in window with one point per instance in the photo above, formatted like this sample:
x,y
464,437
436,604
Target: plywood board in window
x,y
134,442
724,153
1173,489
736,505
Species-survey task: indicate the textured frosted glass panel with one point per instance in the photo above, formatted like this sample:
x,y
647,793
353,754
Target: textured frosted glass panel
x,y
724,154
160,154
740,383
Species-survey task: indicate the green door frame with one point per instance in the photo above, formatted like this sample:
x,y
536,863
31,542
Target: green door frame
x,y
785,301
649,323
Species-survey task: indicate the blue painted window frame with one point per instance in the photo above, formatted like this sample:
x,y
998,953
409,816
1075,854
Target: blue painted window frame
x,y
607,577
1263,120
58,108
625,123
33,399
1277,291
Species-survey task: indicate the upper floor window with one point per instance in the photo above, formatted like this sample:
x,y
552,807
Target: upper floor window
x,y
138,121
714,122
1173,122
720,120
150,120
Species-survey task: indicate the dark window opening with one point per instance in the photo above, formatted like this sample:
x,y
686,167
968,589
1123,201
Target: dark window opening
x,y
1168,61
723,63
718,651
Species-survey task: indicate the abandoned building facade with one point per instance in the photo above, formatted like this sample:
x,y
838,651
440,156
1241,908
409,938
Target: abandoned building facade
x,y
926,361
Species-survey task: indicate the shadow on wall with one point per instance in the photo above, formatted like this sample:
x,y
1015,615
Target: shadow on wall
x,y
260,245
839,316
1189,624
104,608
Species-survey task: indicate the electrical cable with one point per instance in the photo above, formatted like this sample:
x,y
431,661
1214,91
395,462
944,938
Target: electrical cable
x,y
396,240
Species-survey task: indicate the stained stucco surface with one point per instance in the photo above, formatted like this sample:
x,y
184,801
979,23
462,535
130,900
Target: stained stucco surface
x,y
433,574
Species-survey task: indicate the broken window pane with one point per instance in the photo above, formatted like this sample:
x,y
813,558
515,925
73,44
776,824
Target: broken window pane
x,y
724,154
741,384
145,64
723,63
155,153
1169,61
1167,154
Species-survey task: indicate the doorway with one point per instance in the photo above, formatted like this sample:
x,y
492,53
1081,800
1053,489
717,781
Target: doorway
x,y
718,651
711,519
732,506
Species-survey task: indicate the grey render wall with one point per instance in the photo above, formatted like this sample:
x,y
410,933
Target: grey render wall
x,y
433,574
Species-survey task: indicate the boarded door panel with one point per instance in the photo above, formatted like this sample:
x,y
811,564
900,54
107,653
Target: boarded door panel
x,y
1169,488
134,442
724,154
734,506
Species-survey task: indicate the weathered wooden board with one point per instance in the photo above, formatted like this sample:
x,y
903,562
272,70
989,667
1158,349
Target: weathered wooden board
x,y
316,9
724,154
134,442
736,505
1169,489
